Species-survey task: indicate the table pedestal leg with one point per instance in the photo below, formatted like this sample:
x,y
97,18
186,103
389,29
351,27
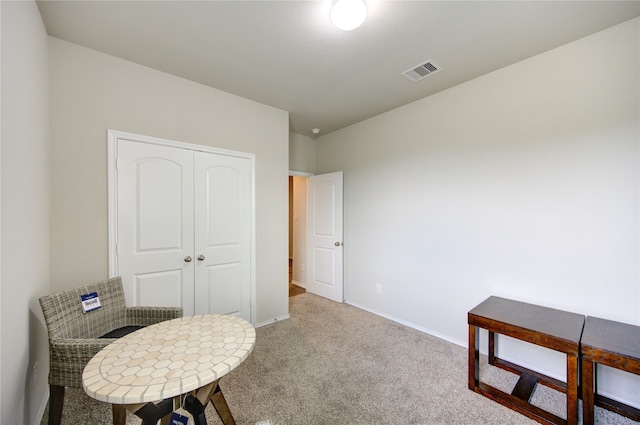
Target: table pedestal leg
x,y
166,420
193,406
220,404
119,414
212,392
150,413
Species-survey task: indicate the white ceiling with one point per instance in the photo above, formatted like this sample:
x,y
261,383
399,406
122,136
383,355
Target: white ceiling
x,y
287,54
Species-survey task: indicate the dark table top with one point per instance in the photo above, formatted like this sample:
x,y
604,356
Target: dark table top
x,y
530,317
616,337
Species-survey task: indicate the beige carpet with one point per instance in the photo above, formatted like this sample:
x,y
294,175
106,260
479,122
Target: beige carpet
x,y
336,364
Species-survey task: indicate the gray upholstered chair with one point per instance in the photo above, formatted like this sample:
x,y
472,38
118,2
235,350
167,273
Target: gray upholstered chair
x,y
75,337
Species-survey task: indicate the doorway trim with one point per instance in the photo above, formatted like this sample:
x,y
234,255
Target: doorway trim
x,y
300,174
112,191
305,175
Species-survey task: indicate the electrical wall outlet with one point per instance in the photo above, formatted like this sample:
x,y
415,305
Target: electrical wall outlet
x,y
379,289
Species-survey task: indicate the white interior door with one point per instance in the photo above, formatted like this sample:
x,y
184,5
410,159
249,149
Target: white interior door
x,y
155,224
324,236
222,239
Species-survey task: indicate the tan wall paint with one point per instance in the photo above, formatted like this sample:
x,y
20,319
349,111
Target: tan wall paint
x,y
302,153
92,92
25,212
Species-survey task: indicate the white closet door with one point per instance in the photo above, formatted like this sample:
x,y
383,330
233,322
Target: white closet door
x,y
223,234
155,224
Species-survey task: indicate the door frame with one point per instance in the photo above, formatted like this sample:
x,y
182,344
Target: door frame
x,y
112,191
305,175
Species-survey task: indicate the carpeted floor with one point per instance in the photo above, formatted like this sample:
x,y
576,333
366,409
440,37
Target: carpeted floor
x,y
335,364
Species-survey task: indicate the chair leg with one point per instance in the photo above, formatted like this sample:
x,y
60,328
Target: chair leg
x,y
56,400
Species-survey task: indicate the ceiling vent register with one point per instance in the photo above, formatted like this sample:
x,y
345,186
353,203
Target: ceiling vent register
x,y
421,71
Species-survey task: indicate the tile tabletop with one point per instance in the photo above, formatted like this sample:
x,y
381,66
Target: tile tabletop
x,y
168,359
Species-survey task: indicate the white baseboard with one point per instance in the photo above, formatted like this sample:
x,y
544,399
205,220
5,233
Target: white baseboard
x,y
409,324
42,408
274,320
482,350
302,285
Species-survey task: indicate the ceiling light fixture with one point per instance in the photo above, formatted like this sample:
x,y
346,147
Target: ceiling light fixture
x,y
348,14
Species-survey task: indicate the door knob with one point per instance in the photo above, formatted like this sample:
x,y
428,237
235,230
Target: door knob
x,y
200,257
187,259
338,244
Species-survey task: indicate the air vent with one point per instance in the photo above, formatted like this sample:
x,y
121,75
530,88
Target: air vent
x,y
421,71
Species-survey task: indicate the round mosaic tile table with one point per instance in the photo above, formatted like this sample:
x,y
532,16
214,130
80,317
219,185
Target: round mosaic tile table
x,y
169,359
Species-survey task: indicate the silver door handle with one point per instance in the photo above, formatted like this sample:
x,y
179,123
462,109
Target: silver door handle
x,y
338,244
200,257
187,259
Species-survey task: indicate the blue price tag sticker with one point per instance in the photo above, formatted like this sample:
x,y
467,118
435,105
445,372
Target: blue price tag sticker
x,y
178,419
90,302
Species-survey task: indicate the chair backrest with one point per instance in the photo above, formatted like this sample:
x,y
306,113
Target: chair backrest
x,y
65,319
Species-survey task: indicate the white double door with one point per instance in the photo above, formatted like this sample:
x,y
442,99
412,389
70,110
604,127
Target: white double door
x,y
183,228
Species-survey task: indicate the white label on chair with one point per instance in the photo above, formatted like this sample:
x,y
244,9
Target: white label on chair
x,y
90,302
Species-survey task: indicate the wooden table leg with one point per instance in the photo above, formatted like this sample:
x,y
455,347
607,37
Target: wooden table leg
x,y
493,345
195,404
474,357
587,392
209,393
220,404
150,413
166,420
572,390
119,414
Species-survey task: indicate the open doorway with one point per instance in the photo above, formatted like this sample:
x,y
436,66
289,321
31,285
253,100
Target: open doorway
x,y
297,233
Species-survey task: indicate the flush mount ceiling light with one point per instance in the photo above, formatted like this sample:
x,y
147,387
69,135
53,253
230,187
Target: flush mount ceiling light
x,y
348,14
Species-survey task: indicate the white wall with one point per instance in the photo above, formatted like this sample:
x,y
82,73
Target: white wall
x,y
25,212
92,92
523,183
302,153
